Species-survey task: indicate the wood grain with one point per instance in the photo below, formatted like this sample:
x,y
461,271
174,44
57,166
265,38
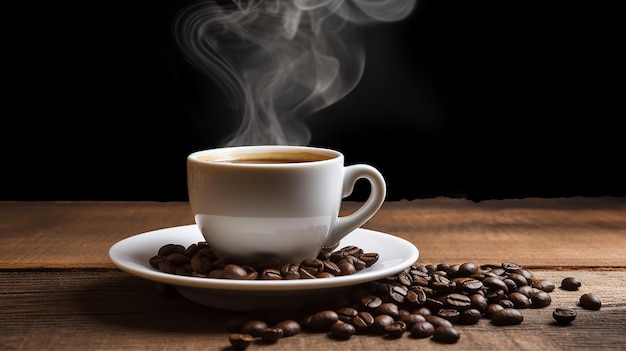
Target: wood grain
x,y
59,291
561,232
111,310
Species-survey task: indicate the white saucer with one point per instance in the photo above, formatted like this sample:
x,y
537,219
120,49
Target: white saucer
x,y
132,254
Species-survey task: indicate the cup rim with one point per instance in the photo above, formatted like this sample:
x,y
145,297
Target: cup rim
x,y
225,153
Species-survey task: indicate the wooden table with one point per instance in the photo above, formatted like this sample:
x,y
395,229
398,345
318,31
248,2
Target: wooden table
x,y
60,291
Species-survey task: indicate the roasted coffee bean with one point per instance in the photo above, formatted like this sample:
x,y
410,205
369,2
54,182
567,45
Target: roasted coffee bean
x,y
342,330
492,308
346,267
590,301
507,316
323,320
346,314
541,299
363,322
271,334
467,269
253,327
479,302
421,330
446,334
423,311
200,263
405,278
169,249
312,265
371,301
395,329
344,252
544,285
305,274
468,285
380,322
458,301
564,315
494,284
519,280
271,274
177,259
388,308
191,250
411,318
527,290
527,274
570,284
434,304
290,271
470,316
289,327
184,269
233,271
155,260
442,285
506,303
510,284
331,267
453,270
511,267
397,293
415,297
240,341
449,314
519,300
324,275
496,295
437,321
167,267
369,258
356,262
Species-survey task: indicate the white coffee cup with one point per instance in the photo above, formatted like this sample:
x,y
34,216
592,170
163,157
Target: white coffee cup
x,y
252,203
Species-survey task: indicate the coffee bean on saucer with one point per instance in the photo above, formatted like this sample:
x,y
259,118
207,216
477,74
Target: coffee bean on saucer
x,y
564,315
590,301
169,249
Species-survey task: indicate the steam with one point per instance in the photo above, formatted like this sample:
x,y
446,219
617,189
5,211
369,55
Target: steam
x,y
280,60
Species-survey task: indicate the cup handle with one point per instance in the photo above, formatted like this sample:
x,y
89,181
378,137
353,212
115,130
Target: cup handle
x,y
378,189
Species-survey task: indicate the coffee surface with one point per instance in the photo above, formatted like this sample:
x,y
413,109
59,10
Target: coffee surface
x,y
267,157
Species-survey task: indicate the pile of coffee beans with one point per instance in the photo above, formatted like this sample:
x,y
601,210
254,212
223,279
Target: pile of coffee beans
x,y
198,260
422,301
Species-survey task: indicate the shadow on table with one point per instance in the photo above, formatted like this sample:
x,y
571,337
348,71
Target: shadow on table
x,y
120,299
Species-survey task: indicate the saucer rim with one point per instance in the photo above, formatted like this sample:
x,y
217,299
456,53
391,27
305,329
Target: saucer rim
x,y
125,254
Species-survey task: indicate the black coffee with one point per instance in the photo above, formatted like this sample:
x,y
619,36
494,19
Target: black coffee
x,y
268,158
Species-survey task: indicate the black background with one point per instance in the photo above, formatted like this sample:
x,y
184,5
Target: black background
x,y
473,99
